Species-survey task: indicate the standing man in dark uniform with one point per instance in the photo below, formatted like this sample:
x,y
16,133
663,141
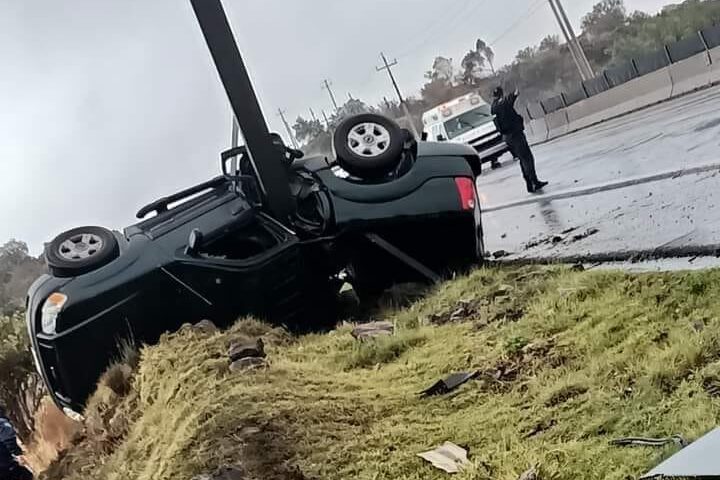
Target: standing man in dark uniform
x,y
512,127
10,469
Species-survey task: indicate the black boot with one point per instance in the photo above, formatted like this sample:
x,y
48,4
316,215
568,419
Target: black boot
x,y
539,185
531,187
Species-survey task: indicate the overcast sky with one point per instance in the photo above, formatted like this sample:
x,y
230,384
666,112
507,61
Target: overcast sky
x,y
106,105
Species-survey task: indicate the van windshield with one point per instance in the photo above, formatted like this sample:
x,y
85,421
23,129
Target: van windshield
x,y
467,121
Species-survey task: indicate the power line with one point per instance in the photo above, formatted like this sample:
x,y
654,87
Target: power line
x,y
431,32
533,8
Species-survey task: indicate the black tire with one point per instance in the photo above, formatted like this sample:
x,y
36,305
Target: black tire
x,y
95,248
366,154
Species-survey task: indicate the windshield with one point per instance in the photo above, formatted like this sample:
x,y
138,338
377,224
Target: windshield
x,y
468,121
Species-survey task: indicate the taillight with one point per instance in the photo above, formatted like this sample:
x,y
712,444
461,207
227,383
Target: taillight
x,y
466,190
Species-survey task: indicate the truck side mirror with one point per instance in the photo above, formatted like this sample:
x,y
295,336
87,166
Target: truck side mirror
x,y
424,136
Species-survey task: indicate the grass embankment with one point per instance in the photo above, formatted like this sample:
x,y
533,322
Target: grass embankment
x,y
569,361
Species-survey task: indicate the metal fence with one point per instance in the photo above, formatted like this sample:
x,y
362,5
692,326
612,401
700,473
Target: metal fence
x,y
614,76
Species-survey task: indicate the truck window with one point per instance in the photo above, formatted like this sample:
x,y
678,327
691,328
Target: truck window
x,y
467,121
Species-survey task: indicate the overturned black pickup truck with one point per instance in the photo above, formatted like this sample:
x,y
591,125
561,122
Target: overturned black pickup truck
x,y
275,235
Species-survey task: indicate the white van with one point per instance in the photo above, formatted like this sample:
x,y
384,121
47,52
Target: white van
x,y
466,119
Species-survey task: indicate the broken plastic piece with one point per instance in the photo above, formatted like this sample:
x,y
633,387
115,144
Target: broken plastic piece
x,y
449,383
447,457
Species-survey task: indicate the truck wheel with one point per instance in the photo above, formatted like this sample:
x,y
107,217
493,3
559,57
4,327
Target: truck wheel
x,y
81,250
368,145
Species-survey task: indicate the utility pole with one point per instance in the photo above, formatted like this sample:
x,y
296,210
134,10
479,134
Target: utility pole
x,y
312,114
235,136
281,113
327,122
326,86
582,58
570,44
388,66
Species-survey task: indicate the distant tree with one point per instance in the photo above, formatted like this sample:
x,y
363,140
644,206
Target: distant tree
x,y
525,54
551,42
442,70
605,17
473,63
306,130
17,272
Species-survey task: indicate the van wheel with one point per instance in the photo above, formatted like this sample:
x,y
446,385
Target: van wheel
x,y
81,250
368,145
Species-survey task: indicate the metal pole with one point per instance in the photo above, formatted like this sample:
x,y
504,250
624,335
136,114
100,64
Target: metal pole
x,y
326,84
281,112
327,122
312,114
388,66
570,44
584,60
266,160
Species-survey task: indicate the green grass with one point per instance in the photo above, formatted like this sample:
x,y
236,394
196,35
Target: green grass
x,y
568,362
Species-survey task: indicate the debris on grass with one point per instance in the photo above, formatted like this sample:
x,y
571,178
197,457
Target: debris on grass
x,y
649,442
448,457
371,330
449,383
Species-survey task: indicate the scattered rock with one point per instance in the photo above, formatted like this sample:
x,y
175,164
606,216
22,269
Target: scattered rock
x,y
447,457
225,473
569,230
578,267
500,254
371,330
504,235
206,327
557,239
238,351
530,474
248,363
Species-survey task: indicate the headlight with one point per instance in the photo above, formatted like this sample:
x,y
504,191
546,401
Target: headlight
x,y
50,311
73,415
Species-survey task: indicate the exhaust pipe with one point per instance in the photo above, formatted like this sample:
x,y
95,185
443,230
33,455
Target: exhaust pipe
x,y
265,157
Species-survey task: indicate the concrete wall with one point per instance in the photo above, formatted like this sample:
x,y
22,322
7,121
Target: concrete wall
x,y
693,73
537,130
637,93
715,67
557,123
690,74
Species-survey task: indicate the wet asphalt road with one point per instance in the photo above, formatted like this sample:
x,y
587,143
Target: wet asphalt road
x,y
674,216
